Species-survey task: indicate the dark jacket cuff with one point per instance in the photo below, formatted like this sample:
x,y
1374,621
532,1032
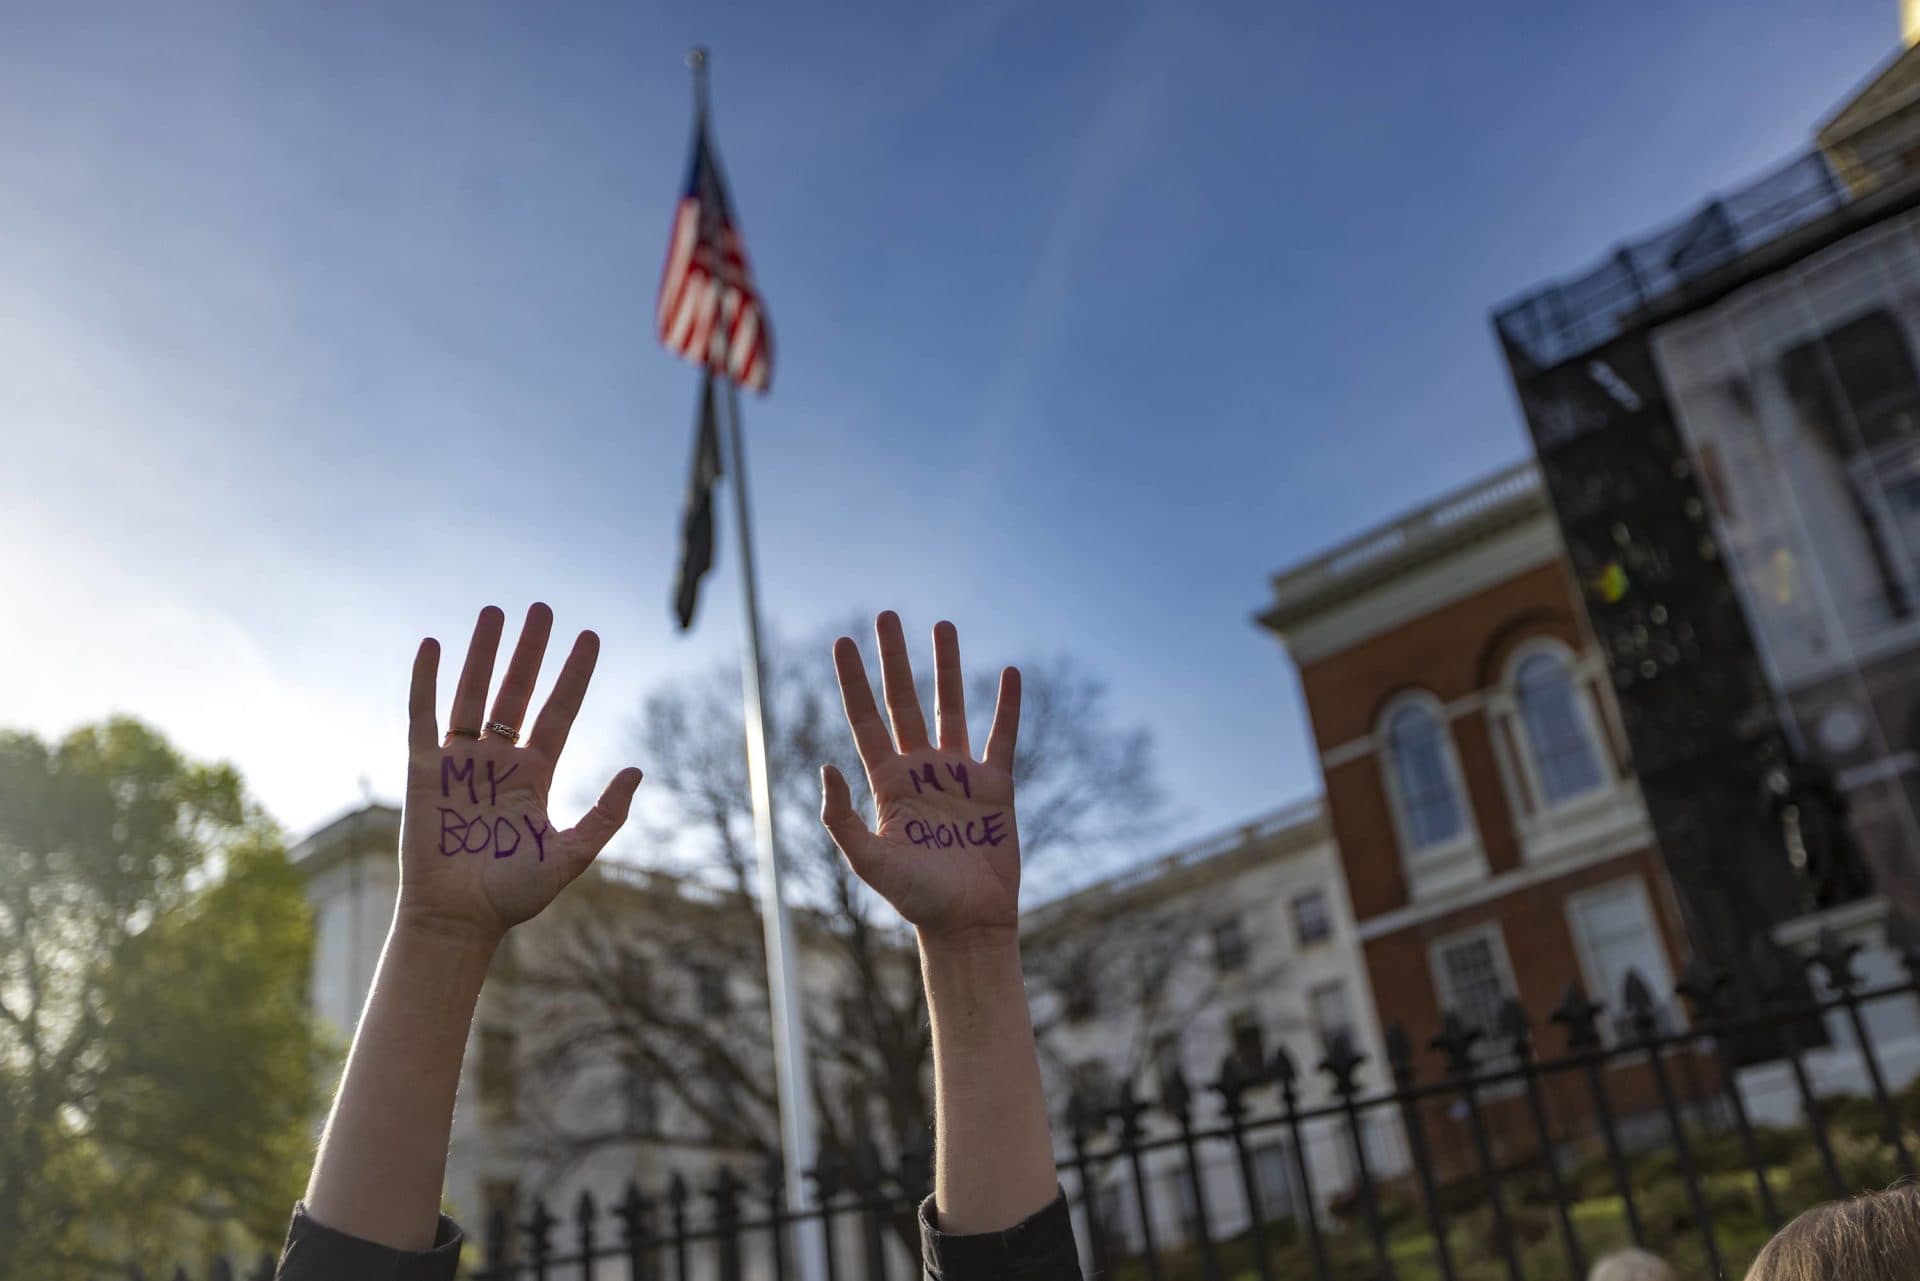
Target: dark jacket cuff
x,y
1039,1249
315,1252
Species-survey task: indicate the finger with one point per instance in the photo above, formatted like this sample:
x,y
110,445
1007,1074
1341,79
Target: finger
x,y
590,835
556,718
423,730
523,669
896,681
870,735
949,689
470,695
1006,721
844,824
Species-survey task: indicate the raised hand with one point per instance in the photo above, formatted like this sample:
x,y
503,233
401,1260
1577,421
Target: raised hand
x,y
477,849
947,854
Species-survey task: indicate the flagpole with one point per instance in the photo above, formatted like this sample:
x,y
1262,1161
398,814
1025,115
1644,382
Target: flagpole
x,y
798,1140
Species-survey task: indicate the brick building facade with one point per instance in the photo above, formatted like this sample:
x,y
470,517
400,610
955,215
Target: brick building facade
x,y
1477,782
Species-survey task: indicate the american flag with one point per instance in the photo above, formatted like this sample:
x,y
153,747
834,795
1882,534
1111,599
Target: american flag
x,y
709,312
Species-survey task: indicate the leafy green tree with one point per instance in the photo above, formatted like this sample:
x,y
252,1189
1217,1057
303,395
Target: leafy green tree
x,y
158,1066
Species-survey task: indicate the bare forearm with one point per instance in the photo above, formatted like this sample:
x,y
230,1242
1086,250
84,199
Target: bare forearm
x,y
994,1154
383,1158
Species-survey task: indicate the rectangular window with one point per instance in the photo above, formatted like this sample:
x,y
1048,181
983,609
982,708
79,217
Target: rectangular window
x,y
1552,711
1093,1083
1179,1191
1310,920
1166,1060
1856,393
1249,1041
1420,762
853,1017
1470,974
710,989
1080,996
1229,945
502,1197
498,1073
1332,1016
1616,937
636,979
1157,953
642,1093
1273,1174
723,1099
1114,1227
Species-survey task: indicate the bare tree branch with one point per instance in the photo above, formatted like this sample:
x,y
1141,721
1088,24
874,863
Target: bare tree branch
x,y
1085,787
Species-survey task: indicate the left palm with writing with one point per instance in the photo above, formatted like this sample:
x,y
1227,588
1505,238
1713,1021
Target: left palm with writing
x,y
478,848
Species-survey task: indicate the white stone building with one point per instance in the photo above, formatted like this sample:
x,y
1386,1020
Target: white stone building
x,y
1243,944
504,1151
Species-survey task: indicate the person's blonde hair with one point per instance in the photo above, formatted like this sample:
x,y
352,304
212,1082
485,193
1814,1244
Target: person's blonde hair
x,y
1631,1265
1875,1237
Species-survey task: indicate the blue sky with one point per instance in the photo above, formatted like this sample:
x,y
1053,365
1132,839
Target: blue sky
x,y
321,325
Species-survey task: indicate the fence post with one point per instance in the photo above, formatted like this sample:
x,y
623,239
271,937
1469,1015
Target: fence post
x,y
726,1221
1519,1033
1400,1065
1232,1089
1341,1063
773,1176
499,1238
1640,1009
1835,956
1701,986
1456,1041
1176,1100
1287,1077
1127,1111
1581,1019
1080,1116
677,1215
873,1227
538,1228
1770,980
1903,936
914,1175
636,1214
826,1183
584,1213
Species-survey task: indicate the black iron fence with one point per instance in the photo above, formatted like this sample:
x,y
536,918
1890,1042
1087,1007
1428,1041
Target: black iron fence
x,y
1648,1125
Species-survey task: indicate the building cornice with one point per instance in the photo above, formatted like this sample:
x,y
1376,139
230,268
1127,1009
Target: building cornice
x,y
1293,829
1471,514
346,837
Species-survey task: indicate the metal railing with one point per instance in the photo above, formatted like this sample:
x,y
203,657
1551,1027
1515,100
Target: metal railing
x,y
1579,313
1495,1164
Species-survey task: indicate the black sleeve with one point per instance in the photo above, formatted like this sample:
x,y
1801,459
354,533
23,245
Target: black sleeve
x,y
316,1252
1040,1249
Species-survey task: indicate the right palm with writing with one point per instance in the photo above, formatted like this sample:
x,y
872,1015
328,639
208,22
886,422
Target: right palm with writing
x,y
947,854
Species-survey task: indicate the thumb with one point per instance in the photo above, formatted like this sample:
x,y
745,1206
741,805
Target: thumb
x,y
590,835
844,824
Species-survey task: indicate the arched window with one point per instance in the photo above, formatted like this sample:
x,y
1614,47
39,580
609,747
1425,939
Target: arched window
x,y
1423,777
1559,732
